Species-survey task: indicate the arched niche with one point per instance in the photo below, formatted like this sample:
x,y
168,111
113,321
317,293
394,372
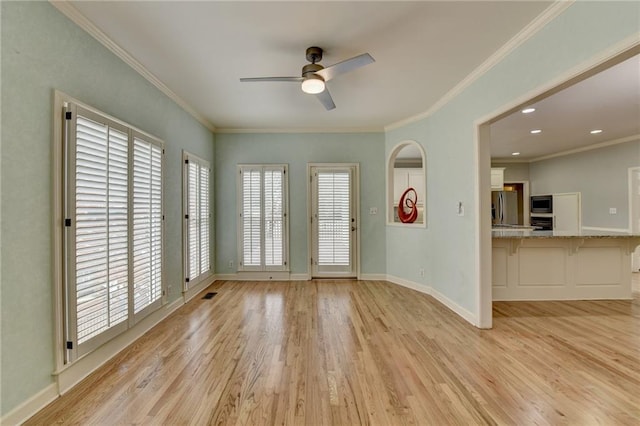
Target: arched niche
x,y
406,167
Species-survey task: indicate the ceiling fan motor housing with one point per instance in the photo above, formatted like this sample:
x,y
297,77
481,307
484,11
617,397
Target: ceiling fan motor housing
x,y
311,69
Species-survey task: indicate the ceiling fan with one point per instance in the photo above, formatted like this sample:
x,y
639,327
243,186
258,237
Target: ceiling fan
x,y
314,76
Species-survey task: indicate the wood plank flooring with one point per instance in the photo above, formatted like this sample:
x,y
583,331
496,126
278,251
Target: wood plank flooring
x,y
370,352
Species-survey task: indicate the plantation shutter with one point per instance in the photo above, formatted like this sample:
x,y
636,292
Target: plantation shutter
x,y
262,231
334,218
101,233
113,228
147,224
205,264
197,218
251,218
273,218
192,221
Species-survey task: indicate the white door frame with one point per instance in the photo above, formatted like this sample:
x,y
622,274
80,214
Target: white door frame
x,y
630,184
635,261
356,195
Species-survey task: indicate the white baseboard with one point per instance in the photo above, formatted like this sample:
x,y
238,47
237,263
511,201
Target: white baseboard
x,y
409,284
465,314
262,276
300,277
74,373
31,406
450,304
373,277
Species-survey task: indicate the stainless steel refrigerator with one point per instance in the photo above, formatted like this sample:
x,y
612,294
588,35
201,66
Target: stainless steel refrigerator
x,y
504,208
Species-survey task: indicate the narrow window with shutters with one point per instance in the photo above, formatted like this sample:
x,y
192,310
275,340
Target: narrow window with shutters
x,y
113,228
197,219
262,230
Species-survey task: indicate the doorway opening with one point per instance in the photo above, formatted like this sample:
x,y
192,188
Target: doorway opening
x,y
483,138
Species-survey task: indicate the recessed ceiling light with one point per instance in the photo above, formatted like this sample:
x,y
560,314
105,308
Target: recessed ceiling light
x,y
536,131
515,153
595,132
528,110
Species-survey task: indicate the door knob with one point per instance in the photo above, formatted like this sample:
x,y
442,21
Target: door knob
x,y
353,228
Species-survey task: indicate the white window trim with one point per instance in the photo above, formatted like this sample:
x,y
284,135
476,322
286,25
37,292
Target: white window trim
x,y
285,231
193,284
63,360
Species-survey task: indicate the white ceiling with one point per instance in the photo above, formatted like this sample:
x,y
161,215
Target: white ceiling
x,y
609,101
199,50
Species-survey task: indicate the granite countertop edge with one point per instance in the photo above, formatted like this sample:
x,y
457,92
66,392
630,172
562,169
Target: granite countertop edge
x,y
519,234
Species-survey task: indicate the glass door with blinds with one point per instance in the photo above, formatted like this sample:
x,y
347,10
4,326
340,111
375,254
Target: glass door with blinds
x,y
334,220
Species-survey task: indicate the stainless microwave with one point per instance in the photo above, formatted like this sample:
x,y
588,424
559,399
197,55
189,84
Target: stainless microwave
x,y
542,204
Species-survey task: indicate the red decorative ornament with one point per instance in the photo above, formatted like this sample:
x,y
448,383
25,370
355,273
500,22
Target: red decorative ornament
x,y
408,199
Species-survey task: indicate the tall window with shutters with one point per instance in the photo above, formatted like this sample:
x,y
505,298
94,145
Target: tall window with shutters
x,y
197,216
262,213
113,227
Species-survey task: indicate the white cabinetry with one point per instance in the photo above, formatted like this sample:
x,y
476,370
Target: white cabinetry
x,y
408,178
497,178
566,212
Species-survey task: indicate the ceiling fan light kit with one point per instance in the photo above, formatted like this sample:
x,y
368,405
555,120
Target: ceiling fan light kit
x,y
314,76
313,84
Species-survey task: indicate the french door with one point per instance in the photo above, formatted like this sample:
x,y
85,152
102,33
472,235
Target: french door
x,y
334,220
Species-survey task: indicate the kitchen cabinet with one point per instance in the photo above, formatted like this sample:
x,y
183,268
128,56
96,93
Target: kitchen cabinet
x,y
497,178
404,178
566,212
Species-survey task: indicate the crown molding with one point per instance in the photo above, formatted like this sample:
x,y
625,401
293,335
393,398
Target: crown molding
x,y
588,148
302,130
80,20
548,15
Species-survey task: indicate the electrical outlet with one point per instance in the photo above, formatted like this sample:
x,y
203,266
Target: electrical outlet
x,y
613,210
230,264
421,272
373,210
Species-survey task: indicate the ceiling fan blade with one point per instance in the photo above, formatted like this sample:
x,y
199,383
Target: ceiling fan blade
x,y
249,80
345,66
325,99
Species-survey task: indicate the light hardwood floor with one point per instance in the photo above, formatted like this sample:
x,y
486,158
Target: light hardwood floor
x,y
368,352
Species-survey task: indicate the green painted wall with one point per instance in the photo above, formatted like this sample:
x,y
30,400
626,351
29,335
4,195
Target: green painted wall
x,y
297,150
41,51
447,248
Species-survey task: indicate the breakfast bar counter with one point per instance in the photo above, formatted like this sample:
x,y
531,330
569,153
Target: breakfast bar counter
x,y
530,264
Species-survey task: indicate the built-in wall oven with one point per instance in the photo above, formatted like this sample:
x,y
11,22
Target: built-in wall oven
x,y
543,223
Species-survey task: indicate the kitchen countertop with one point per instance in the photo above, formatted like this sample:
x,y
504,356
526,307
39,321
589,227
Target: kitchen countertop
x,y
528,233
